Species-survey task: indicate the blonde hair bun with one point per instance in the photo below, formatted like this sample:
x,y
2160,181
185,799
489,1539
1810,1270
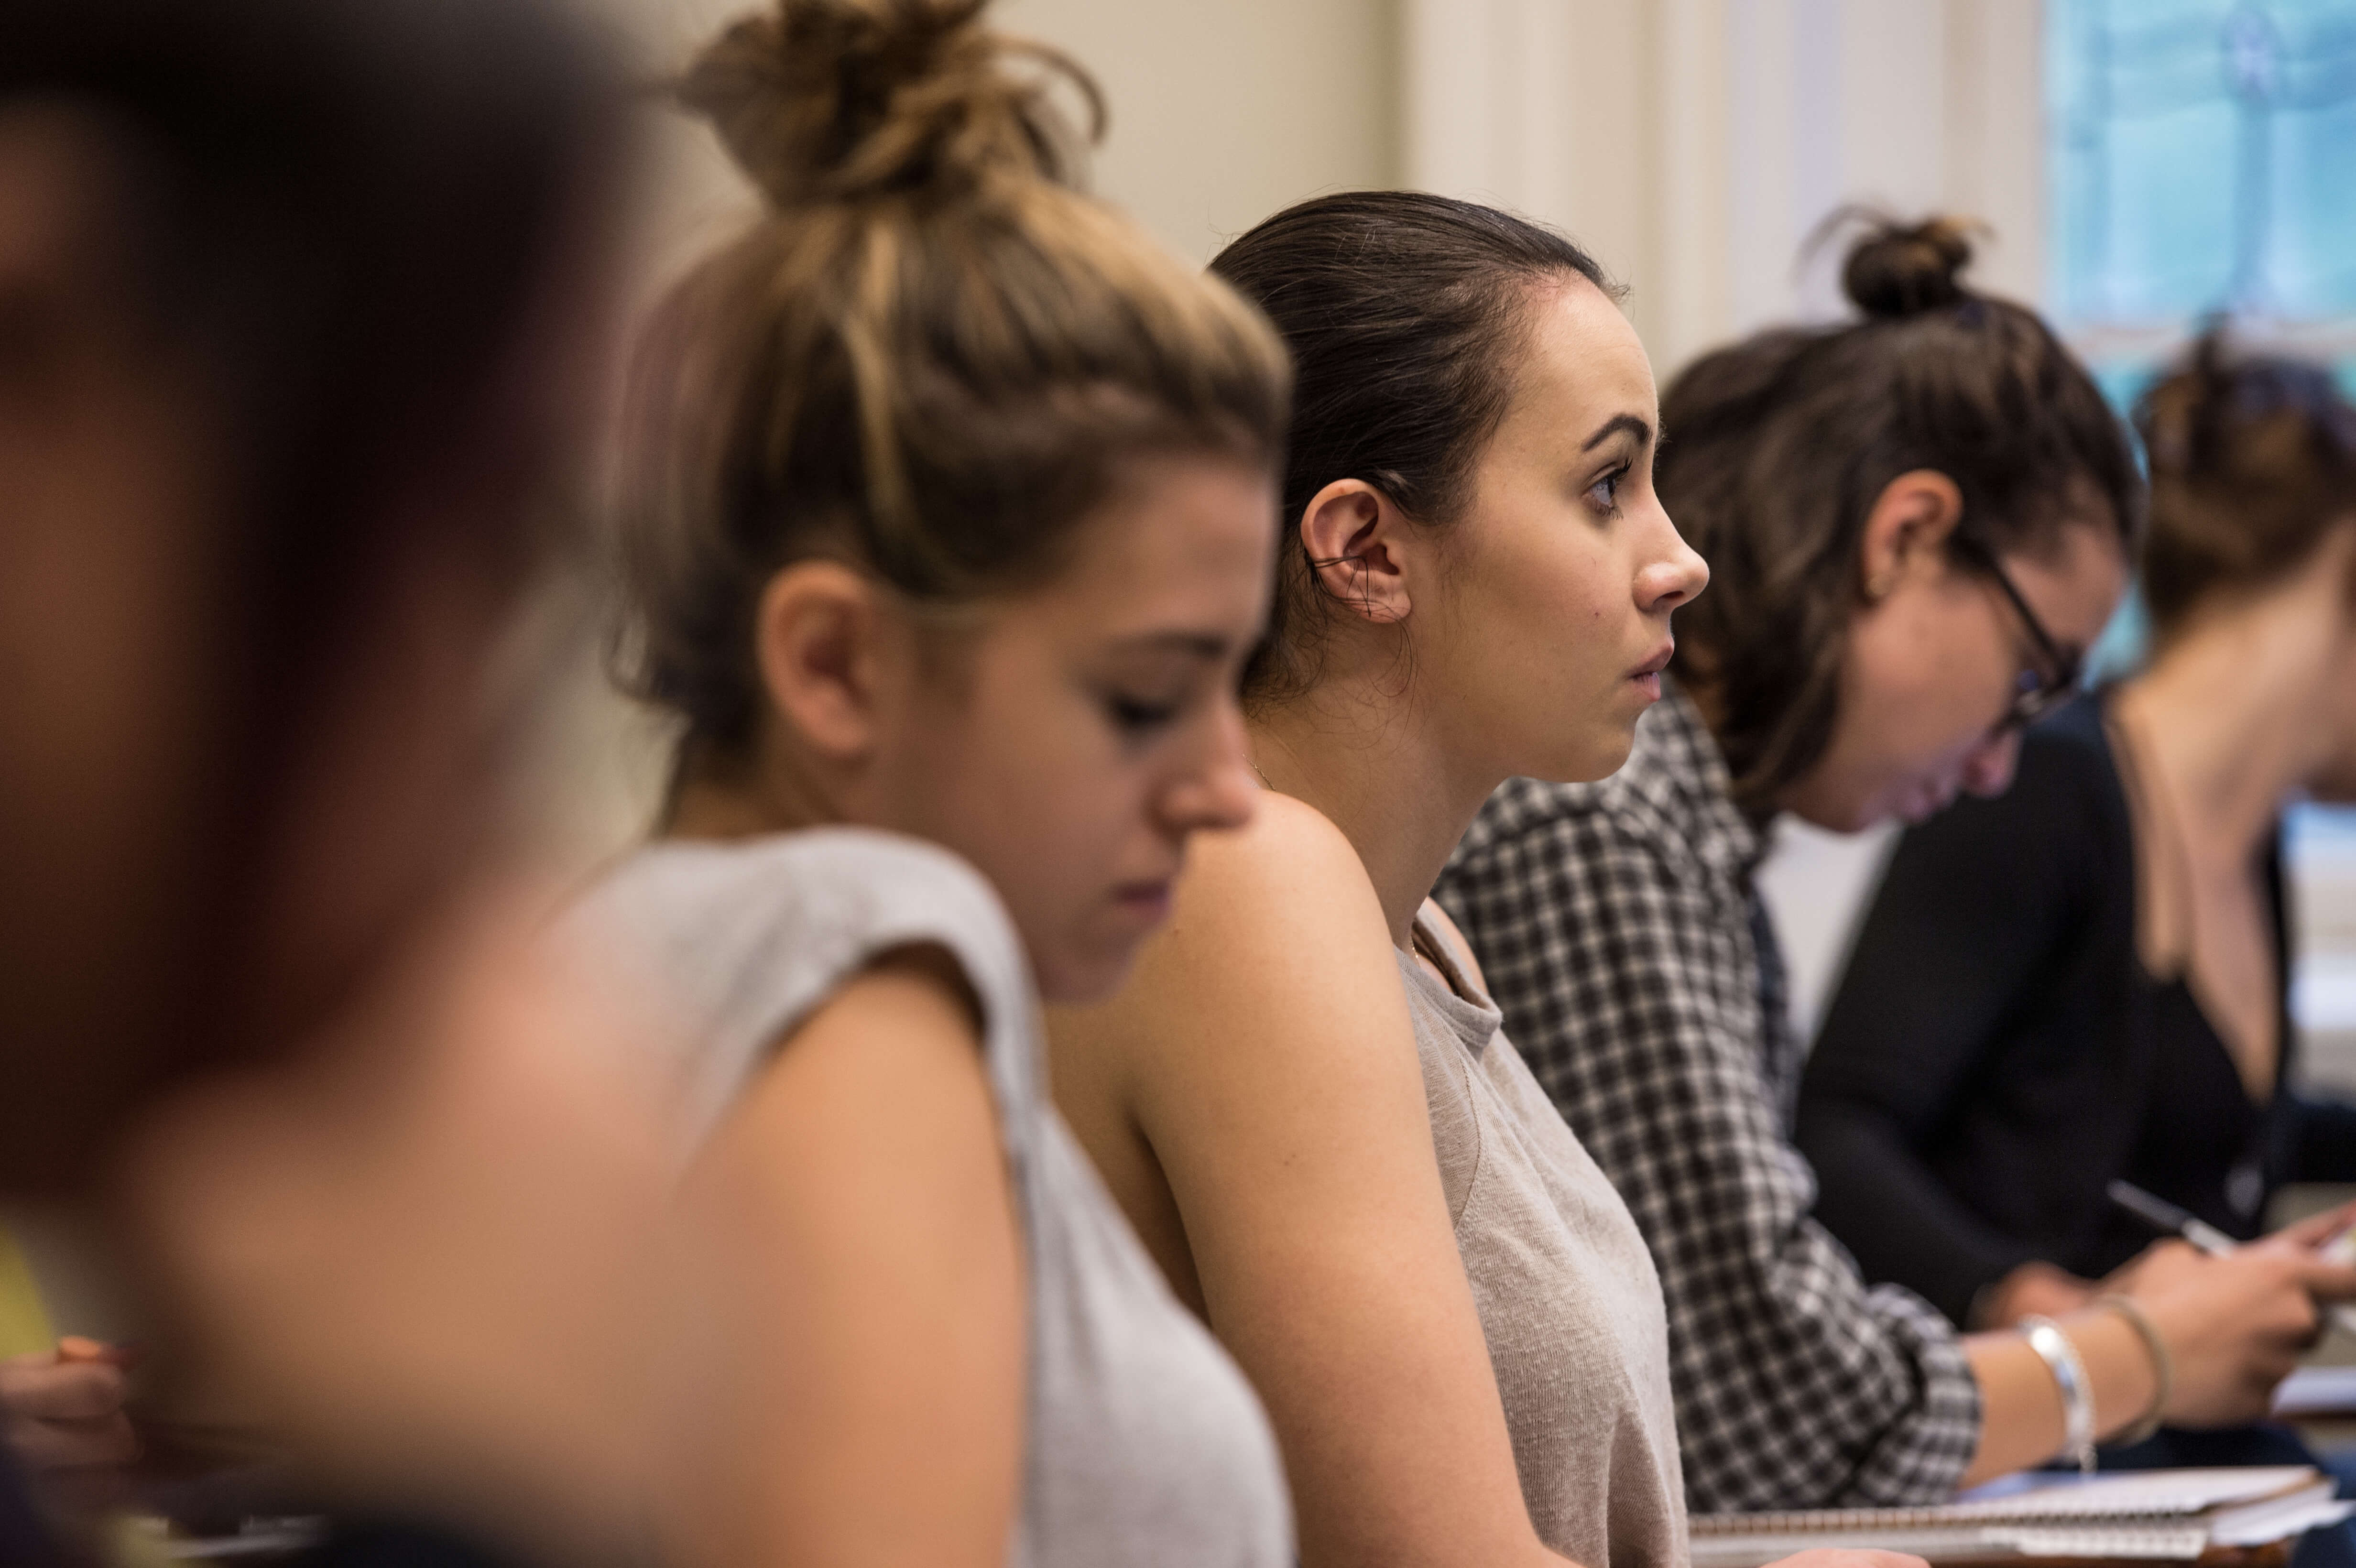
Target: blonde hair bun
x,y
843,100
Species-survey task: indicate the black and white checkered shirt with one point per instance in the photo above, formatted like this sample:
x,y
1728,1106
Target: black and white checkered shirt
x,y
1618,929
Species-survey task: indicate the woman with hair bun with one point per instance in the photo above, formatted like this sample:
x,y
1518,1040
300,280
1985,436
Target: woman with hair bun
x,y
1916,523
949,509
2086,979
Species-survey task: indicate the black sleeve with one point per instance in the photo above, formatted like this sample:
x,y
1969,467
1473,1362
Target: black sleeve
x,y
1961,928
2323,1147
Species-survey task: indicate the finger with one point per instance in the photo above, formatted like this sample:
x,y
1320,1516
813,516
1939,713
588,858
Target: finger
x,y
74,1444
2333,1282
77,1348
81,1392
2318,1228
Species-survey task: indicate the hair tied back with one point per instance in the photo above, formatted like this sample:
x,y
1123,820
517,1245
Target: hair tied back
x,y
1897,269
841,100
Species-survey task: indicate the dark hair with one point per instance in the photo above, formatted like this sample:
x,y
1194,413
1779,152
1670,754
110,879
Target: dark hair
x,y
333,223
341,211
2253,463
928,357
1406,314
1776,449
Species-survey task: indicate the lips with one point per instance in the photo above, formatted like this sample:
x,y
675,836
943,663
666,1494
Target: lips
x,y
1657,664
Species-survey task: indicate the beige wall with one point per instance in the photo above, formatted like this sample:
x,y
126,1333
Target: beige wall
x,y
1222,110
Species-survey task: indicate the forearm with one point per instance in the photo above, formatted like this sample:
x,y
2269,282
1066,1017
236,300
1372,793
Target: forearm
x,y
2022,1424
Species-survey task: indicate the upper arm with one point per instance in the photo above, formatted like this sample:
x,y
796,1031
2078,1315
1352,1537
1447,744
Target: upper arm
x,y
1272,1060
856,1367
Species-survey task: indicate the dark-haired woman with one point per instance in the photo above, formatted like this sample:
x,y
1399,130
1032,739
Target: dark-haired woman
x,y
1464,1356
1916,523
2085,979
948,501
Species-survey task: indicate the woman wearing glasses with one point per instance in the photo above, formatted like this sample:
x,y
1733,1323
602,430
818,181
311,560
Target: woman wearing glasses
x,y
2085,980
1916,522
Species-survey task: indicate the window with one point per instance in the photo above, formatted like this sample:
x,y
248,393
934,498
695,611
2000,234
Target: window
x,y
2203,159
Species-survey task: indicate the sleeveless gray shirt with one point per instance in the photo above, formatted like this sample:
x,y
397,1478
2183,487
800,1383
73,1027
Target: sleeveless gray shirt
x,y
1146,1447
1569,1301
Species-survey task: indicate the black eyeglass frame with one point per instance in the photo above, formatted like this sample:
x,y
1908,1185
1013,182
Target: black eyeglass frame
x,y
2036,692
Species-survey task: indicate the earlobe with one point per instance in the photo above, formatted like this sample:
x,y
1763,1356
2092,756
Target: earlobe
x,y
1912,522
816,635
1352,533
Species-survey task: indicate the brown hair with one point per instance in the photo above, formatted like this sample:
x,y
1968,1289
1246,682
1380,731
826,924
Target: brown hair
x,y
1403,313
2253,464
1777,448
927,358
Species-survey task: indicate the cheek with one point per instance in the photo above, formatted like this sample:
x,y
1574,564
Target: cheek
x,y
1021,777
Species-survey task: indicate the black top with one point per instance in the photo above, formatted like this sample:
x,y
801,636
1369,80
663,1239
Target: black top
x,y
1998,1054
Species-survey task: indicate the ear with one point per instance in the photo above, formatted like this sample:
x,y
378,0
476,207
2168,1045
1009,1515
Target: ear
x,y
818,639
1908,530
1354,536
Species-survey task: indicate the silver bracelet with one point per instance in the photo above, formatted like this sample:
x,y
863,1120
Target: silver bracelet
x,y
2163,1366
2061,1358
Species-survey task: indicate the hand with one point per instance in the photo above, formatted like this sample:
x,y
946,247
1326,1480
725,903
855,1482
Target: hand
x,y
2034,1289
1831,1557
427,1255
2234,1325
65,1414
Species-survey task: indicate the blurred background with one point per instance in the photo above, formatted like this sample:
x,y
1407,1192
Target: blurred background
x,y
2140,164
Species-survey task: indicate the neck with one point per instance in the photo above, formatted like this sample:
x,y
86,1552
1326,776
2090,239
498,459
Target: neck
x,y
1373,762
2231,712
711,798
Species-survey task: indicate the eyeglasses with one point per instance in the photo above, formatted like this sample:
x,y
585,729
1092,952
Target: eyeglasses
x,y
2036,692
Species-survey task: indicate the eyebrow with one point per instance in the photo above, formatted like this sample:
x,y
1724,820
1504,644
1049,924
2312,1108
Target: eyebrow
x,y
1202,645
1613,426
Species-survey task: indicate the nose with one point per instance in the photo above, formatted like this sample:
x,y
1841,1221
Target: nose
x,y
1217,788
1989,772
1673,577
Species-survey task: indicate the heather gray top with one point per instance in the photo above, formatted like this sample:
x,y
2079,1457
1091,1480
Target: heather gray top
x,y
1146,1445
1568,1300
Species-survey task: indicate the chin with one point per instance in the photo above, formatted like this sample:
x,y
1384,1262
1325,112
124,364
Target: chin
x,y
1599,757
1083,980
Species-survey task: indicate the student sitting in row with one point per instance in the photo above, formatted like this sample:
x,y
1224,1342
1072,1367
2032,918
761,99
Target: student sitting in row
x,y
2087,978
1917,521
949,508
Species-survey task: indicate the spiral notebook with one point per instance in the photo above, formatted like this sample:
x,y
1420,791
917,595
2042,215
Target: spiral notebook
x,y
2157,1515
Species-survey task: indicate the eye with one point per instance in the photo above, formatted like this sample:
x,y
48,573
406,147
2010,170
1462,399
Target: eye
x,y
1136,716
1604,494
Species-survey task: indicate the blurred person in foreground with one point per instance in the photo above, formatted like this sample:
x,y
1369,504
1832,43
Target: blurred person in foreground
x,y
291,300
2087,978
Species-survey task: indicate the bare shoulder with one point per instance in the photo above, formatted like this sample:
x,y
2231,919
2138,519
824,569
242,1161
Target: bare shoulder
x,y
1289,878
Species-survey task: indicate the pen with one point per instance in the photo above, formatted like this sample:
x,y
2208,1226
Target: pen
x,y
2161,1215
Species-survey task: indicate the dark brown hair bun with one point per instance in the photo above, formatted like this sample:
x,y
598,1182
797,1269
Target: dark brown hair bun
x,y
1901,269
843,100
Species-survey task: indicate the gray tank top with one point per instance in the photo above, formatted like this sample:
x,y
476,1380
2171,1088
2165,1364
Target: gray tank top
x,y
1568,1300
1146,1447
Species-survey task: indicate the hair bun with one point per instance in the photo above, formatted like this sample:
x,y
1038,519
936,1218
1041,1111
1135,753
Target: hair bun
x,y
840,100
1900,270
